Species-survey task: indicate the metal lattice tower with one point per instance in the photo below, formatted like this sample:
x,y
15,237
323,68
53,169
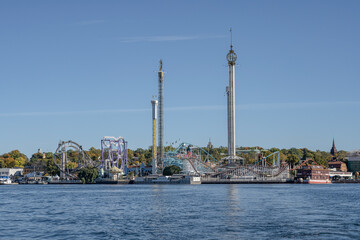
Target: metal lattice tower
x,y
161,112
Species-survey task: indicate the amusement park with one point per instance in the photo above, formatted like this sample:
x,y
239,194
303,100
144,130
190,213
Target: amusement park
x,y
186,162
190,161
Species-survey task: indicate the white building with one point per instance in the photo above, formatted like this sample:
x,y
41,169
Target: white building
x,y
10,172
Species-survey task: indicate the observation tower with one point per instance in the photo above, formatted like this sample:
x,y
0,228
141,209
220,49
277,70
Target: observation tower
x,y
230,91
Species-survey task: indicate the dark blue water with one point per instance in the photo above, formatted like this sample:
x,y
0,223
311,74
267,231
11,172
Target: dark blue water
x,y
180,211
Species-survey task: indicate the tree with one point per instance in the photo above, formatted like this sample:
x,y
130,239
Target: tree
x,y
94,154
88,174
130,175
171,170
342,156
15,154
307,154
319,159
52,169
13,159
272,150
292,160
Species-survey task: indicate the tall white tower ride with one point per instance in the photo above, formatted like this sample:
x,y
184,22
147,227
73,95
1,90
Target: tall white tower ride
x,y
230,90
154,104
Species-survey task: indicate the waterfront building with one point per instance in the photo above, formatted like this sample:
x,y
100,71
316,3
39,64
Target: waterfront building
x,y
338,166
35,176
338,170
336,175
39,168
313,174
354,161
11,172
141,170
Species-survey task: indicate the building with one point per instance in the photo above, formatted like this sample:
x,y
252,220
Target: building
x,y
209,145
11,172
333,150
338,170
36,176
338,166
141,170
338,175
30,169
313,174
354,161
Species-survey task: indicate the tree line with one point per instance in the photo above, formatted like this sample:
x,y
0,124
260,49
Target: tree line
x,y
135,157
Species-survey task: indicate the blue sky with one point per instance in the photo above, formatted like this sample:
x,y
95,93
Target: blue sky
x,y
82,70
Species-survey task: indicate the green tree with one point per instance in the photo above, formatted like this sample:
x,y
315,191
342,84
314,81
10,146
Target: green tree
x,y
94,154
88,174
307,154
130,175
52,169
15,154
292,160
171,170
319,159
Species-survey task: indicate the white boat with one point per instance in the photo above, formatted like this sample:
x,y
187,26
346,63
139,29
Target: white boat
x,y
6,181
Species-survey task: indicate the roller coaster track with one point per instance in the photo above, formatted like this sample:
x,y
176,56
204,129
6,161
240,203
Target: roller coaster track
x,y
253,170
194,155
61,160
305,163
192,160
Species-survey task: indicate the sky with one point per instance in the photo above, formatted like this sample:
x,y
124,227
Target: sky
x,y
80,70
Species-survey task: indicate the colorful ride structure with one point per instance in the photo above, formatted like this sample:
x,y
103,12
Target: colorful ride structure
x,y
265,168
194,160
70,157
191,159
114,153
254,171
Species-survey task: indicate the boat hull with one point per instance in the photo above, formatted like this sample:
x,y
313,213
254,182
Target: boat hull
x,y
317,181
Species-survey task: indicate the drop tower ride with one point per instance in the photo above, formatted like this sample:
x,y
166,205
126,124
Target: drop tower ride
x,y
230,90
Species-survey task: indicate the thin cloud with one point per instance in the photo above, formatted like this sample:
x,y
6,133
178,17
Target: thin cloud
x,y
295,105
90,22
164,38
189,108
35,114
256,106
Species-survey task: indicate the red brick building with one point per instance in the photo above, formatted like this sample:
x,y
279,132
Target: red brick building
x,y
313,174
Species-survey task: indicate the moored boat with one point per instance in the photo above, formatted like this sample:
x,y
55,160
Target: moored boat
x,y
6,181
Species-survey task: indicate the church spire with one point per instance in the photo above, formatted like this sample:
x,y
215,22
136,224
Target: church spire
x,y
333,150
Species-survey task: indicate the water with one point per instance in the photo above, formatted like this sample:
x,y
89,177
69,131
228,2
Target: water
x,y
180,211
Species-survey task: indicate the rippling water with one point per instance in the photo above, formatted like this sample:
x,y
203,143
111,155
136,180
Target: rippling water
x,y
180,211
